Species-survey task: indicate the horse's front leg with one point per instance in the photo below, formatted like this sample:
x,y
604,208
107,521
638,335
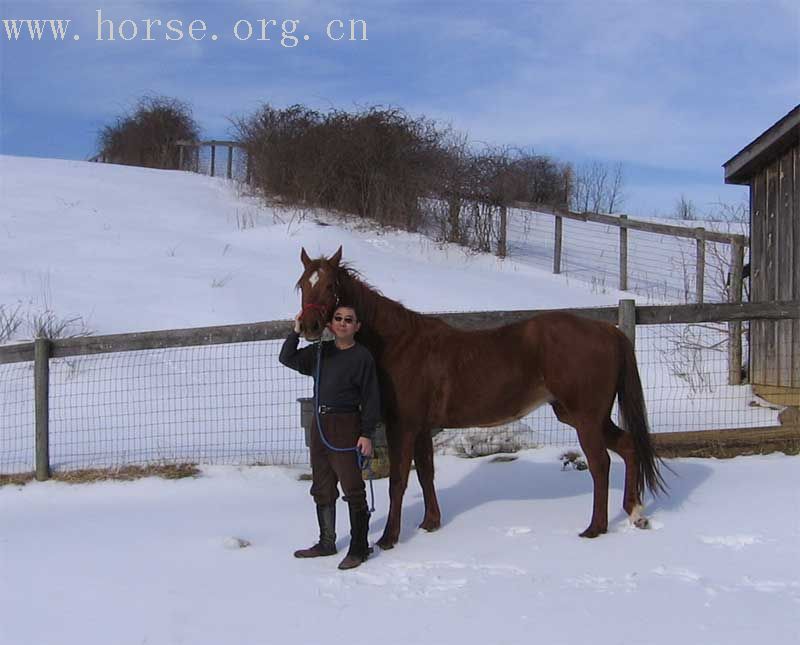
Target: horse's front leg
x,y
401,445
423,459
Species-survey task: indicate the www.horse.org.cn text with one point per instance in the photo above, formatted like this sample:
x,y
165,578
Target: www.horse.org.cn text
x,y
268,31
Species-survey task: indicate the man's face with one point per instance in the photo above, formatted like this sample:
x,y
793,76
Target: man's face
x,y
344,324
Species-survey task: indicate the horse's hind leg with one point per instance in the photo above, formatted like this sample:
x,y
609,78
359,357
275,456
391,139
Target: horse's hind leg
x,y
621,442
401,445
590,436
423,458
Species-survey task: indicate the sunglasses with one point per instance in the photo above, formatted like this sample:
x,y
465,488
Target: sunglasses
x,y
348,320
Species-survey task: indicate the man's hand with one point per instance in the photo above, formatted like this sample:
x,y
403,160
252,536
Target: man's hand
x,y
297,322
364,446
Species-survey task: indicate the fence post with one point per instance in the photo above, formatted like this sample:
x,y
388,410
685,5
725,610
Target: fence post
x,y
213,157
557,246
180,157
41,385
623,254
626,322
503,235
230,162
627,319
735,328
700,277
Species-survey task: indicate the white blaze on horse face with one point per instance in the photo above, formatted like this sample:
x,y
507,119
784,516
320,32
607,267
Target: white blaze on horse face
x,y
313,279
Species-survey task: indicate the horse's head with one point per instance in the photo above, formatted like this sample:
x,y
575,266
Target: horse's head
x,y
318,288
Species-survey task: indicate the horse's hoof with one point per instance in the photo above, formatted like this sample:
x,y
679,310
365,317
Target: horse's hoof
x,y
430,525
592,532
386,544
641,523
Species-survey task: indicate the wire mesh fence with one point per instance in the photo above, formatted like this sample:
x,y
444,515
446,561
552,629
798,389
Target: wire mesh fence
x,y
220,404
16,418
660,267
235,404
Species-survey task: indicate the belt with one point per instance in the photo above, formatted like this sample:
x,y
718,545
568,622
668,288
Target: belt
x,y
338,409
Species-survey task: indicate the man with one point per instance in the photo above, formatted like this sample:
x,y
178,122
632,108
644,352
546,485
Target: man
x,y
349,411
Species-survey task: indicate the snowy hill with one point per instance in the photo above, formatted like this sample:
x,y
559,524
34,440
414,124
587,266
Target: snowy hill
x,y
132,249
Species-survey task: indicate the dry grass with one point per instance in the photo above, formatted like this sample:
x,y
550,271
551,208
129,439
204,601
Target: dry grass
x,y
16,480
124,473
709,443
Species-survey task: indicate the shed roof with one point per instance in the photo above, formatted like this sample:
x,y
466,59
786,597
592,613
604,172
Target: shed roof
x,y
763,150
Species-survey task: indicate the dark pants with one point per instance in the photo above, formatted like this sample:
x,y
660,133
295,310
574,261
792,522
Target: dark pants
x,y
329,467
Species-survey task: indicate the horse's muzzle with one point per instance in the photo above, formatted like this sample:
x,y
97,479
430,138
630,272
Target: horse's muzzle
x,y
312,330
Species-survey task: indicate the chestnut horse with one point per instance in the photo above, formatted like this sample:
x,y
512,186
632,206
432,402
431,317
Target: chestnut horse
x,y
435,376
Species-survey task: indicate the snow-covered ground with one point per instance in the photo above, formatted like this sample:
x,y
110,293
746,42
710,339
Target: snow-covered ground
x,y
152,561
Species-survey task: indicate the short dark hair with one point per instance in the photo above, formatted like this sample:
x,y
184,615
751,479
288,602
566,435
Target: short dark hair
x,y
348,306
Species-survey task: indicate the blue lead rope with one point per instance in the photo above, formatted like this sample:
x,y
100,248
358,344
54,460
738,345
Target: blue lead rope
x,y
363,462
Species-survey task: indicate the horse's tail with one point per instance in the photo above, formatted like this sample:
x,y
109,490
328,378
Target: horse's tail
x,y
634,415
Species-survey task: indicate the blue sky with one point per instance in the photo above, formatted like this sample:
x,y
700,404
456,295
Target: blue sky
x,y
670,90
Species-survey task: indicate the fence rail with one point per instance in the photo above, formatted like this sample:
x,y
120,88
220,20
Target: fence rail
x,y
68,389
201,157
189,158
702,237
623,222
277,329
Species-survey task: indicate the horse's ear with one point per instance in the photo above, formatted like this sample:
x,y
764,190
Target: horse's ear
x,y
336,258
304,257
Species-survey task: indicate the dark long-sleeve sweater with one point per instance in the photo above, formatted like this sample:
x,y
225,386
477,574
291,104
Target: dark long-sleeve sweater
x,y
347,377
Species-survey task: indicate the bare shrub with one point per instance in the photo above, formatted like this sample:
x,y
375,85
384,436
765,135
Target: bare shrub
x,y
47,324
147,135
382,165
452,191
689,354
10,322
378,163
685,209
492,180
596,187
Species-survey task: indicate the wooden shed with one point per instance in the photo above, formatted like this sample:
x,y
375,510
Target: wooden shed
x,y
770,165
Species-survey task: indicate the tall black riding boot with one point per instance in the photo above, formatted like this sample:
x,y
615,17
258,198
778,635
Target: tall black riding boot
x,y
326,516
359,528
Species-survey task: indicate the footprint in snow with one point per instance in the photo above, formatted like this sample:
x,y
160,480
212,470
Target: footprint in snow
x,y
678,572
513,531
735,542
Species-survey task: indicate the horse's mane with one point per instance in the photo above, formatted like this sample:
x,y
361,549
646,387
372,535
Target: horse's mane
x,y
369,301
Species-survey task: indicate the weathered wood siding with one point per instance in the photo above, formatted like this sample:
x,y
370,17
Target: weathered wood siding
x,y
775,268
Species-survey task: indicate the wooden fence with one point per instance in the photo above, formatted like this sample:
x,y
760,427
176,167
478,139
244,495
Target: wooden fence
x,y
189,153
737,243
626,315
189,157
